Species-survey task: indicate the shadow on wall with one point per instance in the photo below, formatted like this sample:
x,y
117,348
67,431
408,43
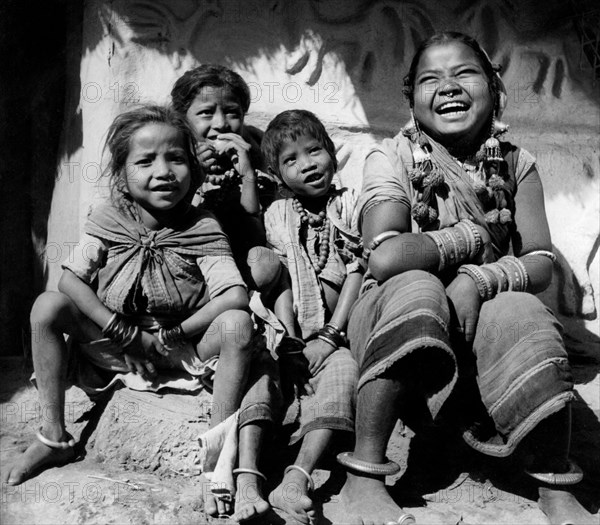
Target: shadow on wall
x,y
371,42
41,42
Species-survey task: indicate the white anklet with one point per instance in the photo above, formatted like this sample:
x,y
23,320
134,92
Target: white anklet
x,y
55,444
311,483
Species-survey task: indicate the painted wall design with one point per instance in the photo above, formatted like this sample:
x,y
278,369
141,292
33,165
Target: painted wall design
x,y
345,61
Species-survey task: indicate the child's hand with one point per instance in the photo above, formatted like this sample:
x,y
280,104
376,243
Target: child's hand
x,y
237,149
316,351
207,157
294,371
138,355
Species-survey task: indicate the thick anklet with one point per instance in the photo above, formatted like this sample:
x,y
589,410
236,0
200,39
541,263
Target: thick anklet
x,y
55,444
311,483
573,476
348,460
242,470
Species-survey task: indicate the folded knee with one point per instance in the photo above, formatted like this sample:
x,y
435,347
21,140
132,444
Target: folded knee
x,y
265,267
48,308
236,329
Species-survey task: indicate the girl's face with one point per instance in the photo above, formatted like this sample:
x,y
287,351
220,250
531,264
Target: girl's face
x,y
157,171
214,111
306,167
452,100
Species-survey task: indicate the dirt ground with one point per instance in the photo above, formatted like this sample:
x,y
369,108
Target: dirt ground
x,y
443,483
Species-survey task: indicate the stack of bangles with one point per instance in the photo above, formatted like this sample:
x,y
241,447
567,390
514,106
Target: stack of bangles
x,y
120,332
172,338
332,335
456,244
507,274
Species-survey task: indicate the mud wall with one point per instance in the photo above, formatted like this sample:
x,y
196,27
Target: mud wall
x,y
345,61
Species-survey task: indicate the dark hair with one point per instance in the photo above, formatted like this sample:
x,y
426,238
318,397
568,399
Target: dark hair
x,y
118,142
290,125
443,38
187,86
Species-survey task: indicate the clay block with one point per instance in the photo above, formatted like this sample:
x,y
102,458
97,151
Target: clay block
x,y
143,430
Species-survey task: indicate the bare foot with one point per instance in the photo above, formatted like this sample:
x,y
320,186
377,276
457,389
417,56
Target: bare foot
x,y
249,502
291,498
217,502
37,457
367,501
562,508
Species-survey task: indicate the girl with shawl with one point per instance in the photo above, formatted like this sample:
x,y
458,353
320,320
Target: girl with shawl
x,y
457,243
152,287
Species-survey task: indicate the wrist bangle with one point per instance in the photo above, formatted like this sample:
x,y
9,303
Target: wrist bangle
x,y
328,341
172,338
120,332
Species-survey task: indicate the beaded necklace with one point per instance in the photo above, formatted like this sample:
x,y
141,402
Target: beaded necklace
x,y
427,178
320,222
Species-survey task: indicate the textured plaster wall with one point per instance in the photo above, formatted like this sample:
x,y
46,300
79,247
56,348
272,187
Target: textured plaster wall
x,y
345,61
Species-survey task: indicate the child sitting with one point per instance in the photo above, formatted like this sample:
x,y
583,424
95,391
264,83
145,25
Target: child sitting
x,y
314,233
152,286
215,101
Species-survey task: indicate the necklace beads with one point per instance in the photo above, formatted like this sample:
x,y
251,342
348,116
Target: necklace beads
x,y
321,222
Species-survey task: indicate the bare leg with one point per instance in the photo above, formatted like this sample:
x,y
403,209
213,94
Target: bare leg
x,y
249,501
265,269
229,340
283,306
52,315
365,497
550,442
292,494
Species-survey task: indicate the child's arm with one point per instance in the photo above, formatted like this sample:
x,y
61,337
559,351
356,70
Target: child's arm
x,y
234,298
84,298
227,142
317,350
138,353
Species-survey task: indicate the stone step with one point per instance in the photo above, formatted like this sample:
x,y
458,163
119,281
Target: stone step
x,y
156,432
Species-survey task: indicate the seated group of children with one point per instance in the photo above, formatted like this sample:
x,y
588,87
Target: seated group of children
x,y
199,221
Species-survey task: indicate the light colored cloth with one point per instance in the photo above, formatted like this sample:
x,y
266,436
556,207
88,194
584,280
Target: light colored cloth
x,y
165,271
282,225
218,454
387,180
156,279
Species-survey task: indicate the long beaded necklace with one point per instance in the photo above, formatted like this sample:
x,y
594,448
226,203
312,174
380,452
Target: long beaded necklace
x,y
487,180
319,222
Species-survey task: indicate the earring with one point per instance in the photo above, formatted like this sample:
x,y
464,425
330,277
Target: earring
x,y
492,145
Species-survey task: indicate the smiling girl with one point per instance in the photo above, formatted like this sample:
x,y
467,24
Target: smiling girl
x,y
443,205
151,287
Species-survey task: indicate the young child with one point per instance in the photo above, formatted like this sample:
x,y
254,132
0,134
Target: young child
x,y
314,233
215,101
152,286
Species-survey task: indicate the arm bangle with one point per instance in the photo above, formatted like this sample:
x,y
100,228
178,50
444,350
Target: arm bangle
x,y
378,239
545,253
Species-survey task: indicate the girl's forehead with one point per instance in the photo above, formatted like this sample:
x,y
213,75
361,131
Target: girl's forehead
x,y
447,54
216,94
156,133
